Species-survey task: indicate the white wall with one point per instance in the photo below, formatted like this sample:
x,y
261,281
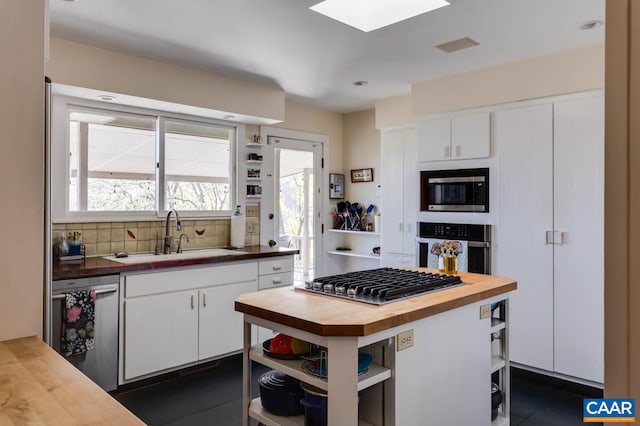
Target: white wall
x,y
573,71
21,162
86,66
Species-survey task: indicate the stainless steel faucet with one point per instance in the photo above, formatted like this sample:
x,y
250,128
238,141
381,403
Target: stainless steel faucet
x,y
179,250
168,239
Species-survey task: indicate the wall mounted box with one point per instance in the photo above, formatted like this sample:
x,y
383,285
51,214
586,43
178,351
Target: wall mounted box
x,y
336,186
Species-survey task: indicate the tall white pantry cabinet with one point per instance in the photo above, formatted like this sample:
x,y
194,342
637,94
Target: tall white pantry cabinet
x,y
550,232
399,198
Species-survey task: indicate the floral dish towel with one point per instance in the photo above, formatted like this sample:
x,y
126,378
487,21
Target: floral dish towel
x,y
78,323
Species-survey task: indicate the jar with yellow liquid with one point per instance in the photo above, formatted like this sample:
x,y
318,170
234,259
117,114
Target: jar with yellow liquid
x,y
450,261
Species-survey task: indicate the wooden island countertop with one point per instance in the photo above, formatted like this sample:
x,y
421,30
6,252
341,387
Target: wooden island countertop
x,y
330,316
39,387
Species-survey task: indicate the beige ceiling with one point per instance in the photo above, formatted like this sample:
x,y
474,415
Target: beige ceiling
x,y
314,59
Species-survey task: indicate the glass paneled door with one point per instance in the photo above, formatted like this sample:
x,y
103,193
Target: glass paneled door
x,y
297,185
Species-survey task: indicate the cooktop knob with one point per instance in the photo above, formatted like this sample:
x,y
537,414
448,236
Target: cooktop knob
x,y
340,290
317,286
328,288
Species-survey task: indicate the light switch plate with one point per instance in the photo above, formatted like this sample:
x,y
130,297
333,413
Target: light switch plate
x,y
485,311
404,340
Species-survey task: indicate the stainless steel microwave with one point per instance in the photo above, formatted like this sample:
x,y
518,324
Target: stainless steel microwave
x,y
461,190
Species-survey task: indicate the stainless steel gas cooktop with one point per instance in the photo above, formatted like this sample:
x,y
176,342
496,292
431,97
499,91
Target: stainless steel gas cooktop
x,y
380,286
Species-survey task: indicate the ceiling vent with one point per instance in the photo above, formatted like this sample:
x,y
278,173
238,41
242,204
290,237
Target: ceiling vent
x,y
455,45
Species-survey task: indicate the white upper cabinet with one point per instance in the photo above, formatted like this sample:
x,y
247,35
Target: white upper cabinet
x,y
455,137
434,139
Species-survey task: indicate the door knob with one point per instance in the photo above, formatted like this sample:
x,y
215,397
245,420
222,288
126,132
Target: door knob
x,y
271,216
272,243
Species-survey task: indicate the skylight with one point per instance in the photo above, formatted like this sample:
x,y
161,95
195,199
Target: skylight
x,y
369,15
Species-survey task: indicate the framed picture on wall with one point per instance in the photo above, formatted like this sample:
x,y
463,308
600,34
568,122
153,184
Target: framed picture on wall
x,y
362,175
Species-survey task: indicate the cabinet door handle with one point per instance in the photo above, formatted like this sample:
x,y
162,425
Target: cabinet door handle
x,y
408,227
550,237
192,305
446,152
204,300
458,150
276,281
400,227
277,267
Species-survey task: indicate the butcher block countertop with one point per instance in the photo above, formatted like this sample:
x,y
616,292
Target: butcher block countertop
x,y
97,266
330,316
39,387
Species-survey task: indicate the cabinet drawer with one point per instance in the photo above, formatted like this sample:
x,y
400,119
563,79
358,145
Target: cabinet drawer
x,y
275,280
191,278
277,265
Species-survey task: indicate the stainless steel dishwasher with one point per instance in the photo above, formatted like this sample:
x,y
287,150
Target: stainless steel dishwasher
x,y
101,363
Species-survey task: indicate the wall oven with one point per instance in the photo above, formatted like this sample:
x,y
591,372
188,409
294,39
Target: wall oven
x,y
461,190
475,241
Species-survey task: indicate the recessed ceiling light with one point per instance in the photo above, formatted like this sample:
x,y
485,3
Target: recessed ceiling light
x,y
360,83
107,98
368,15
228,117
591,25
70,1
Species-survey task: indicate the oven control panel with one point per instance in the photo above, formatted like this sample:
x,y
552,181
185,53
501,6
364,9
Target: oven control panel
x,y
455,231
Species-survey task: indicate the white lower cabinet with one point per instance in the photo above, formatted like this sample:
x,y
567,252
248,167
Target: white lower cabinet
x,y
398,261
161,332
272,273
181,316
218,329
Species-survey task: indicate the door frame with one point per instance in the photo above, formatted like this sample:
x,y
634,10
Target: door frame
x,y
269,199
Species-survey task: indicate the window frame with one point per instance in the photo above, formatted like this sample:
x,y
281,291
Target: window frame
x,y
61,114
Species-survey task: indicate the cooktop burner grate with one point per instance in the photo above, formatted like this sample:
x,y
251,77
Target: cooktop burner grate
x,y
380,286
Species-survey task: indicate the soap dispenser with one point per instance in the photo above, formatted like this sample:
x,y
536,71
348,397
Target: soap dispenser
x,y
238,224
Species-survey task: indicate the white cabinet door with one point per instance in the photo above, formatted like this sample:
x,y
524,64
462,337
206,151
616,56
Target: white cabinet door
x,y
220,328
397,261
392,203
410,191
524,139
434,139
470,136
160,332
579,248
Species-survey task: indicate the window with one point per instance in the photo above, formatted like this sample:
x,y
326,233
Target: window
x,y
117,160
197,166
112,161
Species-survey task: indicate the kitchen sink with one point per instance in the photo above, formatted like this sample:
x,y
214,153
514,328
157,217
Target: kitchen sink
x,y
191,254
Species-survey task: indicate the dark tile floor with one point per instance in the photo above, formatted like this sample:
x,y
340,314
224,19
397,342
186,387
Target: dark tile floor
x,y
213,396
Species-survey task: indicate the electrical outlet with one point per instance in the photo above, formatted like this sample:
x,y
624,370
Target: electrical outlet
x,y
404,340
485,311
253,211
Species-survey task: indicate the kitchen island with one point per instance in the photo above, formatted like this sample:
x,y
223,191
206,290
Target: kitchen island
x,y
433,354
38,387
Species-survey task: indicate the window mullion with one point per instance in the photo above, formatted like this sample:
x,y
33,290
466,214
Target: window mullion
x,y
160,167
83,167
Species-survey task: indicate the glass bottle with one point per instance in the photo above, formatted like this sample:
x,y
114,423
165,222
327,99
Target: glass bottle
x,y
441,257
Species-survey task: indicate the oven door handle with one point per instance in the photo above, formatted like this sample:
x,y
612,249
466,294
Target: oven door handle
x,y
481,244
103,291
